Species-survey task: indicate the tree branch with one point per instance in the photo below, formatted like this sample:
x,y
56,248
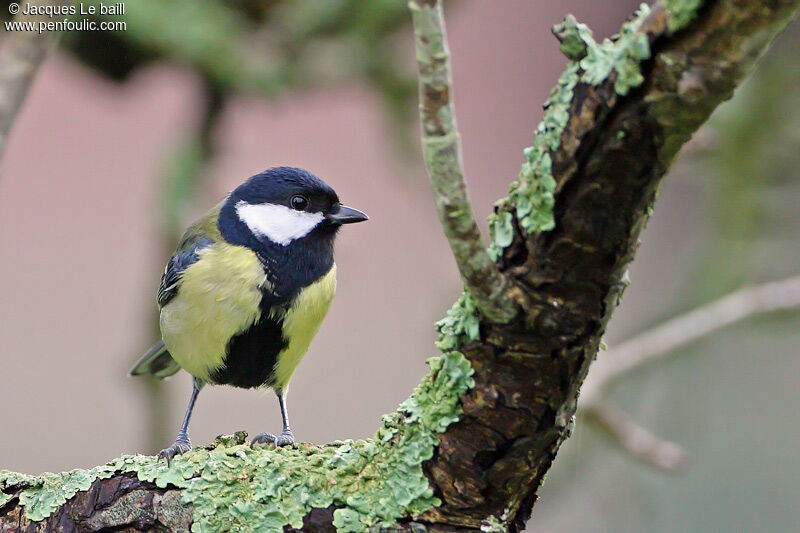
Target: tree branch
x,y
660,342
472,444
612,126
664,339
441,145
637,440
22,54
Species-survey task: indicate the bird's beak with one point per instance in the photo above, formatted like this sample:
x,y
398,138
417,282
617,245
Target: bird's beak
x,y
346,215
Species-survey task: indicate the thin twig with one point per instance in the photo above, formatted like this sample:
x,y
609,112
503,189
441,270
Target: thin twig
x,y
22,53
637,440
679,331
442,151
659,342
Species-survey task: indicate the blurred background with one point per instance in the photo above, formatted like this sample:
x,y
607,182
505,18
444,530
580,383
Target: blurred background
x,y
126,137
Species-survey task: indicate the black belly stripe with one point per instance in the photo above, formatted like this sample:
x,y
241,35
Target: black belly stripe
x,y
252,355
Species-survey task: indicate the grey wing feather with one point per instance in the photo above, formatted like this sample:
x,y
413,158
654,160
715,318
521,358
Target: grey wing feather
x,y
177,265
157,361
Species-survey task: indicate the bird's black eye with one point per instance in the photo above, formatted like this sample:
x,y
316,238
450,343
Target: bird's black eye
x,y
299,203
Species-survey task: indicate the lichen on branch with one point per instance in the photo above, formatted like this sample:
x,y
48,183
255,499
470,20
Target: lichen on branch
x,y
531,197
231,486
441,147
471,447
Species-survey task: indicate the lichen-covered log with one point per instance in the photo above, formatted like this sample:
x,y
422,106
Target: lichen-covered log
x,y
471,446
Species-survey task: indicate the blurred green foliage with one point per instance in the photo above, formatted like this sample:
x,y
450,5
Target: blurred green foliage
x,y
753,163
266,48
263,47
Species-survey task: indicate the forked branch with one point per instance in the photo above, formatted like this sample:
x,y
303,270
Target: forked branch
x,y
441,146
665,340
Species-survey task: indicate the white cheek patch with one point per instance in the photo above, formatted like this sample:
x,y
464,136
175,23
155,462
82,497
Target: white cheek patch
x,y
278,223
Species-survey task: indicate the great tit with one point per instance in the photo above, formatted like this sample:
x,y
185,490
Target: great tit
x,y
247,289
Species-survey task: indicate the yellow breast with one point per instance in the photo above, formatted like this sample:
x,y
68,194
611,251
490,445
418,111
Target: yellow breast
x,y
219,297
301,324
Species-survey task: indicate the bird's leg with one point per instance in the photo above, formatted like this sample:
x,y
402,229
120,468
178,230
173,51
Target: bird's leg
x,y
286,437
182,443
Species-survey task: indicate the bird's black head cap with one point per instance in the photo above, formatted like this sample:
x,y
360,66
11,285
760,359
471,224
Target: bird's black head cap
x,y
289,218
280,185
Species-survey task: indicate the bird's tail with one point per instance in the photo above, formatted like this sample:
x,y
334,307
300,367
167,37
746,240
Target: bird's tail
x,y
157,361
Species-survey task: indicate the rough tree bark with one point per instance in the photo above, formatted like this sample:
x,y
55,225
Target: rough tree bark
x,y
529,324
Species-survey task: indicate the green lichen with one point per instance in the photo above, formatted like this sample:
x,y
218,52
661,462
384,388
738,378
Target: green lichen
x,y
532,194
462,324
681,13
531,197
493,525
148,468
573,37
46,493
501,230
10,481
235,488
347,520
623,54
374,481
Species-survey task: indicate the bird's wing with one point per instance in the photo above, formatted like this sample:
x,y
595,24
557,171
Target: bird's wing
x,y
157,361
175,268
202,233
203,229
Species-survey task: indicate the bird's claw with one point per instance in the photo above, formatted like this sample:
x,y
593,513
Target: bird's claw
x,y
284,439
180,446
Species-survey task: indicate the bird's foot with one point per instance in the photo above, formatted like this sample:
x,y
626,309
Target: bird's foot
x,y
284,439
180,446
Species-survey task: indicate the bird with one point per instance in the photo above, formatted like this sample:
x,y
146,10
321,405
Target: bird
x,y
246,290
